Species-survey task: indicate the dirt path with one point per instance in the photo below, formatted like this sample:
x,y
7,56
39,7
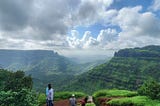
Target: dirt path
x,y
61,103
64,102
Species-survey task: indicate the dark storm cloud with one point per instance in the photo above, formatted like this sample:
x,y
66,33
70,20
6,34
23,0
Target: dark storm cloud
x,y
14,14
87,10
36,19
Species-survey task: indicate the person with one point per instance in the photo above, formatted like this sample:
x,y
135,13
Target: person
x,y
50,95
72,100
47,96
84,101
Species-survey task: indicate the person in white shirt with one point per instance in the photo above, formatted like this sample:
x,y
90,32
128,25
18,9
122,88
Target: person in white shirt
x,y
50,95
72,100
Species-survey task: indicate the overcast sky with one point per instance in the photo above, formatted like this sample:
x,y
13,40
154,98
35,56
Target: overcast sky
x,y
92,27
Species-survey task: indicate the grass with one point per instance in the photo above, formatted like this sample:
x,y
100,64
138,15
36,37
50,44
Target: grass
x,y
136,101
114,93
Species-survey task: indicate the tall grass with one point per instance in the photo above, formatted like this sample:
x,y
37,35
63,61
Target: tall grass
x,y
114,93
135,101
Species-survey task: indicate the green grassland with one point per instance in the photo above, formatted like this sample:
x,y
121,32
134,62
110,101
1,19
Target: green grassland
x,y
134,101
125,98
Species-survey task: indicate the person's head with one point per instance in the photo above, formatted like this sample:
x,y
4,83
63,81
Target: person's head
x,y
49,86
73,95
85,99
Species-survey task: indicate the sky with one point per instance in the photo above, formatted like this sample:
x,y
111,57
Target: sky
x,y
79,27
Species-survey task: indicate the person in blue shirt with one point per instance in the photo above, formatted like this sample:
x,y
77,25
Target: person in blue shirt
x,y
47,96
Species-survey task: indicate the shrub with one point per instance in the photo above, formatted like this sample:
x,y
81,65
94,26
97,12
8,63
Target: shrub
x,y
150,88
90,104
22,98
41,99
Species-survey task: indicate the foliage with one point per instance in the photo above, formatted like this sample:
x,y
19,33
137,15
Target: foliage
x,y
22,98
41,99
90,104
134,101
150,88
16,89
114,93
17,80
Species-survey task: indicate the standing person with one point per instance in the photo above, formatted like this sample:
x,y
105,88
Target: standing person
x,y
85,101
50,95
72,100
47,96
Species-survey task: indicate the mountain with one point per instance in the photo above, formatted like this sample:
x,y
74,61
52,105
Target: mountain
x,y
44,66
33,60
128,69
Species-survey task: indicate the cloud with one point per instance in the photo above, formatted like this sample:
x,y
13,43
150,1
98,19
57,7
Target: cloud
x,y
155,6
45,24
106,36
137,28
90,11
133,31
145,24
88,41
40,20
14,15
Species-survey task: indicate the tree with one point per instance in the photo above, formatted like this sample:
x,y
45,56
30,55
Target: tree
x,y
17,80
150,88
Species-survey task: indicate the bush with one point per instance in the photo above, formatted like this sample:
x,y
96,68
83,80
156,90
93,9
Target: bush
x,y
22,98
41,99
90,104
150,88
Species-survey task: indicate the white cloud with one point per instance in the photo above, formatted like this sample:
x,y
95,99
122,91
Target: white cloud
x,y
134,31
137,28
88,41
156,5
106,36
86,36
134,23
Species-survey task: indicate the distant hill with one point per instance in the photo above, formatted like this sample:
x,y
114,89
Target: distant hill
x,y
28,60
128,69
44,66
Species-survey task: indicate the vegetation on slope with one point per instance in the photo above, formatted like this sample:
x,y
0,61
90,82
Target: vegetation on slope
x,y
44,66
126,70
